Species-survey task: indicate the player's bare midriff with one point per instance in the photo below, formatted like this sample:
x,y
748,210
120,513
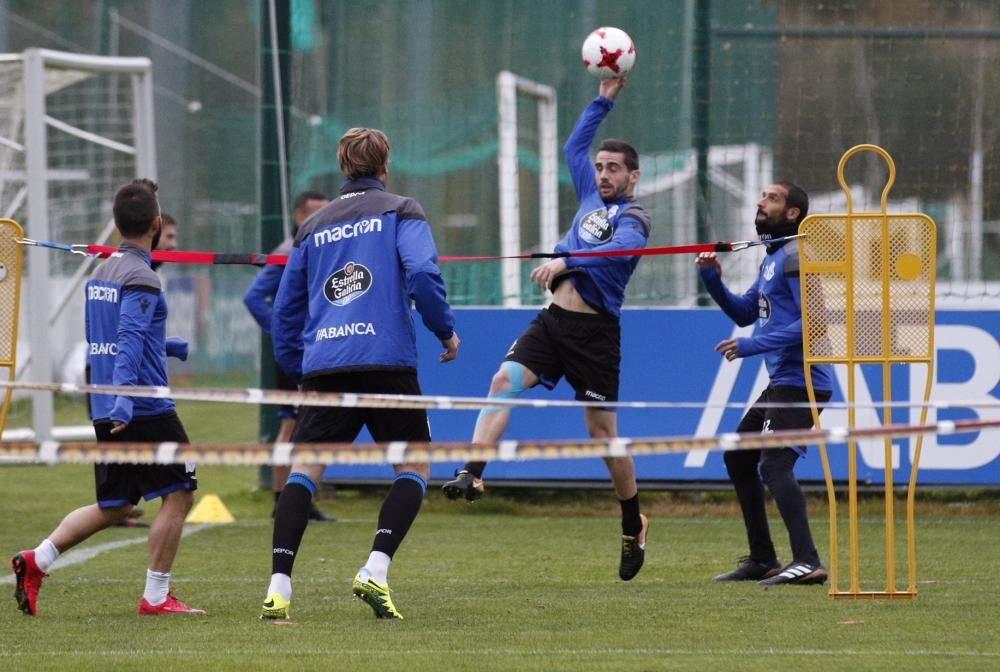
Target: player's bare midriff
x,y
567,298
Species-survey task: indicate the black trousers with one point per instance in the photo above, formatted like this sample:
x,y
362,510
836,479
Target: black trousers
x,y
751,470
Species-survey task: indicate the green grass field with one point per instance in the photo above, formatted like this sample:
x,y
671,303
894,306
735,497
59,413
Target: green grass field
x,y
514,583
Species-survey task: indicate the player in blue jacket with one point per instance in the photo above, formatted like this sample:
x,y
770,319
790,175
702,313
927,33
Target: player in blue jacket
x,y
773,301
578,335
126,315
259,300
342,322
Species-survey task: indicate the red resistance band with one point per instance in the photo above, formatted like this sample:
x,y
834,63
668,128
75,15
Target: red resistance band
x,y
257,259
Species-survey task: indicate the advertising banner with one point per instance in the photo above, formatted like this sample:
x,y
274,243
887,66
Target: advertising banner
x,y
667,355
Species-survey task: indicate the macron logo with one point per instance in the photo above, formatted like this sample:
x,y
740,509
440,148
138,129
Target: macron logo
x,y
334,234
101,293
382,530
285,551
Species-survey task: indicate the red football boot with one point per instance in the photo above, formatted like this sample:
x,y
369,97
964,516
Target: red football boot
x,y
171,606
29,581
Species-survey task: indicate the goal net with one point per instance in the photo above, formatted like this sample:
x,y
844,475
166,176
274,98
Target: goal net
x,y
73,128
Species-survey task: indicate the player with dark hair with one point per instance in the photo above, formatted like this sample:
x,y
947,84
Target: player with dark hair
x,y
579,335
126,314
775,301
168,234
306,203
165,239
259,300
342,323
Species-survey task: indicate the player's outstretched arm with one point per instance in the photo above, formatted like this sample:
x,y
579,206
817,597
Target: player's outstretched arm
x,y
544,274
742,310
612,86
708,260
577,148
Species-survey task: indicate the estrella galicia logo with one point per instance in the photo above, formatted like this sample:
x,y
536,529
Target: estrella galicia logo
x,y
595,227
763,308
348,284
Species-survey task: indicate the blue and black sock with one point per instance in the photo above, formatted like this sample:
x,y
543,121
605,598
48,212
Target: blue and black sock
x,y
631,522
475,468
398,512
291,515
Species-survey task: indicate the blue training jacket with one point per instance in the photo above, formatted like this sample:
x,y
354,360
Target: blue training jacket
x,y
344,302
126,316
775,300
259,297
621,224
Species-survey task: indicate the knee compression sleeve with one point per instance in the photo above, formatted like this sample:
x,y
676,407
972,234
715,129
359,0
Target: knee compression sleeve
x,y
515,373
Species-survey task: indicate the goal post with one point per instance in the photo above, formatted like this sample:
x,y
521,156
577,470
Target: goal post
x,y
73,127
509,86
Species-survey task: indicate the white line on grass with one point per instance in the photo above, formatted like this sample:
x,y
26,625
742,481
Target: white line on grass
x,y
81,555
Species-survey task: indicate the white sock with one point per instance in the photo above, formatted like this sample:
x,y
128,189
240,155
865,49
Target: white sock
x,y
157,587
378,566
282,585
45,555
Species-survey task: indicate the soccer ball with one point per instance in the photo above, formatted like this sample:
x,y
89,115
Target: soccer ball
x,y
608,52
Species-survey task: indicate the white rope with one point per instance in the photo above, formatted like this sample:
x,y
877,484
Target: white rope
x,y
401,452
438,402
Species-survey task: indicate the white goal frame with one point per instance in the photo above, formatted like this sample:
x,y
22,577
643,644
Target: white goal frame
x,y
45,308
509,86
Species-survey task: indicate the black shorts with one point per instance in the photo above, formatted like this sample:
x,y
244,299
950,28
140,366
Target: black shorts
x,y
584,347
286,382
772,419
121,484
321,424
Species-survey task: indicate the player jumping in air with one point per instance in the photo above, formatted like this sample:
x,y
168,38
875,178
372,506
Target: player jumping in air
x,y
579,335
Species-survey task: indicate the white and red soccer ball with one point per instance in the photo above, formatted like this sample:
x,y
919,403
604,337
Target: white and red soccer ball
x,y
608,52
